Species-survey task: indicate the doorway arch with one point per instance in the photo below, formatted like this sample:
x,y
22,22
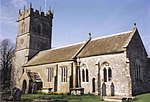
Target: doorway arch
x,y
93,85
24,86
112,89
103,89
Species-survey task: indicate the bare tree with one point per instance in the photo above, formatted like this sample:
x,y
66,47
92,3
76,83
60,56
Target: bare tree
x,y
6,54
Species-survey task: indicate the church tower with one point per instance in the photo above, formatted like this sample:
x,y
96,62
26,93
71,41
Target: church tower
x,y
34,35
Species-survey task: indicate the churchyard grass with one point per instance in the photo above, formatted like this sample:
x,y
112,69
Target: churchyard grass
x,y
68,98
82,98
142,98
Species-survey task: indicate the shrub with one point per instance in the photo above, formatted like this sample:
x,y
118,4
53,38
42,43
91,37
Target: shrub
x,y
58,93
39,92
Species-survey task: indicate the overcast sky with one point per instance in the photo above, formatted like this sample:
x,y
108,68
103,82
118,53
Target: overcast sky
x,y
74,19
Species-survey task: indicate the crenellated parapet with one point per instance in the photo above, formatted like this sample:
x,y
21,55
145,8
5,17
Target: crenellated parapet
x,y
34,13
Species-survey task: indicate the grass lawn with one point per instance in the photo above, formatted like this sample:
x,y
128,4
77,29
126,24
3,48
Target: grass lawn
x,y
82,98
69,98
142,98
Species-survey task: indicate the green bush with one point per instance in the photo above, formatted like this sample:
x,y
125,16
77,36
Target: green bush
x,y
39,92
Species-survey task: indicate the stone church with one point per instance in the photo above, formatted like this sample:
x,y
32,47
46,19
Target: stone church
x,y
111,65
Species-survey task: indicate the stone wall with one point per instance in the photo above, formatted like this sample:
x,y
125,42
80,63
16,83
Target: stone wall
x,y
120,74
0,78
137,57
56,83
34,35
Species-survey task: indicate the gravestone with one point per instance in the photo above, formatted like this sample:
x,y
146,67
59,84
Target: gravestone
x,y
16,93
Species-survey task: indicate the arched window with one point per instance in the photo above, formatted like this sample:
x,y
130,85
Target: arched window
x,y
105,75
22,70
93,85
137,72
109,74
23,27
39,29
83,75
138,69
87,75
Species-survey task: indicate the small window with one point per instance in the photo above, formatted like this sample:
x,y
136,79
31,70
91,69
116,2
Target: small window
x,y
87,75
50,74
83,75
64,74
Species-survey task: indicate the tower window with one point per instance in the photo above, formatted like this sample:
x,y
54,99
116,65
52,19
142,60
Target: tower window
x,y
38,45
23,27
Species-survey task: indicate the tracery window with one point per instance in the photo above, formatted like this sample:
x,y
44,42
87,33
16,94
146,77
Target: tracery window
x,y
107,72
85,75
50,74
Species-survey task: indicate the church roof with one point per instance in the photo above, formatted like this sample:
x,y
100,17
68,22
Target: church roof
x,y
99,46
55,55
106,45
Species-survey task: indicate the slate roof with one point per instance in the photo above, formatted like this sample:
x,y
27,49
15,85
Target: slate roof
x,y
99,46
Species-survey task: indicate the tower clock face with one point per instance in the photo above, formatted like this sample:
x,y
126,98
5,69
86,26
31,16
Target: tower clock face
x,y
21,41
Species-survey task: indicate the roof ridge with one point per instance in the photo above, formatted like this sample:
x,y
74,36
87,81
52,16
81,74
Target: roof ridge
x,y
82,42
130,37
68,45
60,47
115,34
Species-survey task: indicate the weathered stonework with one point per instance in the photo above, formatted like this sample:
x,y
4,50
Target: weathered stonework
x,y
56,83
34,35
137,56
119,73
113,65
